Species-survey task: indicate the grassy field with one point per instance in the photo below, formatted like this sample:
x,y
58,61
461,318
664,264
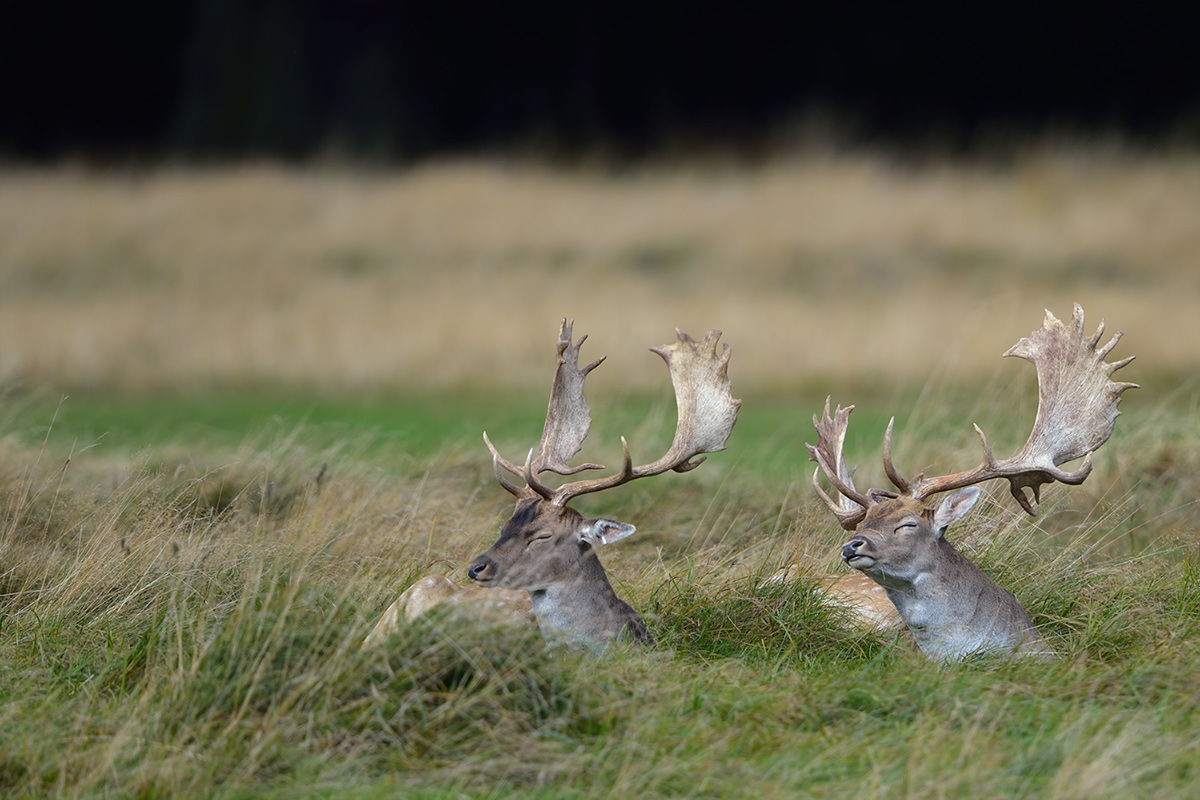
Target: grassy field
x,y
275,384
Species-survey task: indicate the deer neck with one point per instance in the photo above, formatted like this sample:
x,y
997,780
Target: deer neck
x,y
925,596
954,609
582,608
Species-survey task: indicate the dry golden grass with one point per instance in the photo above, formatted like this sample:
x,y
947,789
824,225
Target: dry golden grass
x,y
456,274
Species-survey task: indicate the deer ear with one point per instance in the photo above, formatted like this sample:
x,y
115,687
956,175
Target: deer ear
x,y
603,531
954,508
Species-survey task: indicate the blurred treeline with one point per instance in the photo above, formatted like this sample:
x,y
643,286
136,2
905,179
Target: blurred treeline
x,y
207,79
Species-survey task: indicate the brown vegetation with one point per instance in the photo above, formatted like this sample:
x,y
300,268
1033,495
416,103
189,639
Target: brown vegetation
x,y
451,275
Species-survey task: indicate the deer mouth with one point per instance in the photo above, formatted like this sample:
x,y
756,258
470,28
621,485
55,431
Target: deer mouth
x,y
855,558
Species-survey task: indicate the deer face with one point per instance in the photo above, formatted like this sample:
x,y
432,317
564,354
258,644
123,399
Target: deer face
x,y
542,544
899,538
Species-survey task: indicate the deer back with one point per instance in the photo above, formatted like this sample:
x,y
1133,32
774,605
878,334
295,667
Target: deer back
x,y
866,601
869,606
504,606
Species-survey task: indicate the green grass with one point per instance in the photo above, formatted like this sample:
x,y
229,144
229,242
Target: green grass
x,y
182,603
224,420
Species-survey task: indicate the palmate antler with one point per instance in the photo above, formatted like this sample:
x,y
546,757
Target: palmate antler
x,y
851,505
1077,409
706,407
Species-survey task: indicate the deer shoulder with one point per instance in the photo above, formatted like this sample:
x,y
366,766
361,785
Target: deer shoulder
x,y
951,606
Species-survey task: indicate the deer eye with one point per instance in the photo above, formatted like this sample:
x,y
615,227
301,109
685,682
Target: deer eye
x,y
541,537
905,526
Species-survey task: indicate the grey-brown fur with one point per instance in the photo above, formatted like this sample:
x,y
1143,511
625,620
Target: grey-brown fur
x,y
549,551
952,608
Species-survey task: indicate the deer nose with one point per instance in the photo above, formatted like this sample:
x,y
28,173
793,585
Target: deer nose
x,y
850,549
479,569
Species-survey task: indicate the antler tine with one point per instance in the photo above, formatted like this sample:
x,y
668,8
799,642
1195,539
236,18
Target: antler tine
x,y
852,505
531,479
499,462
1077,409
893,474
1115,365
847,519
706,409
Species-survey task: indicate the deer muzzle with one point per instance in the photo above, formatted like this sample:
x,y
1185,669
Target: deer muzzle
x,y
482,570
853,553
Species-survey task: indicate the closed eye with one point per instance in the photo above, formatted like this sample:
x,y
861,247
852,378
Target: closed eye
x,y
905,526
543,537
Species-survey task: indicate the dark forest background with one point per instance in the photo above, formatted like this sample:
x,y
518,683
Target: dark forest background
x,y
401,80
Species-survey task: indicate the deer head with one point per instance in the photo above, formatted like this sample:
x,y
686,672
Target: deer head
x,y
899,537
540,543
549,549
951,606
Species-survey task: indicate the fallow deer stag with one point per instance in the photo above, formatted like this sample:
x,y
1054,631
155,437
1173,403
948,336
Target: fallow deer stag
x,y
952,608
548,549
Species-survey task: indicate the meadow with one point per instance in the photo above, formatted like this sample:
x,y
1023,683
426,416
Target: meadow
x,y
241,410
